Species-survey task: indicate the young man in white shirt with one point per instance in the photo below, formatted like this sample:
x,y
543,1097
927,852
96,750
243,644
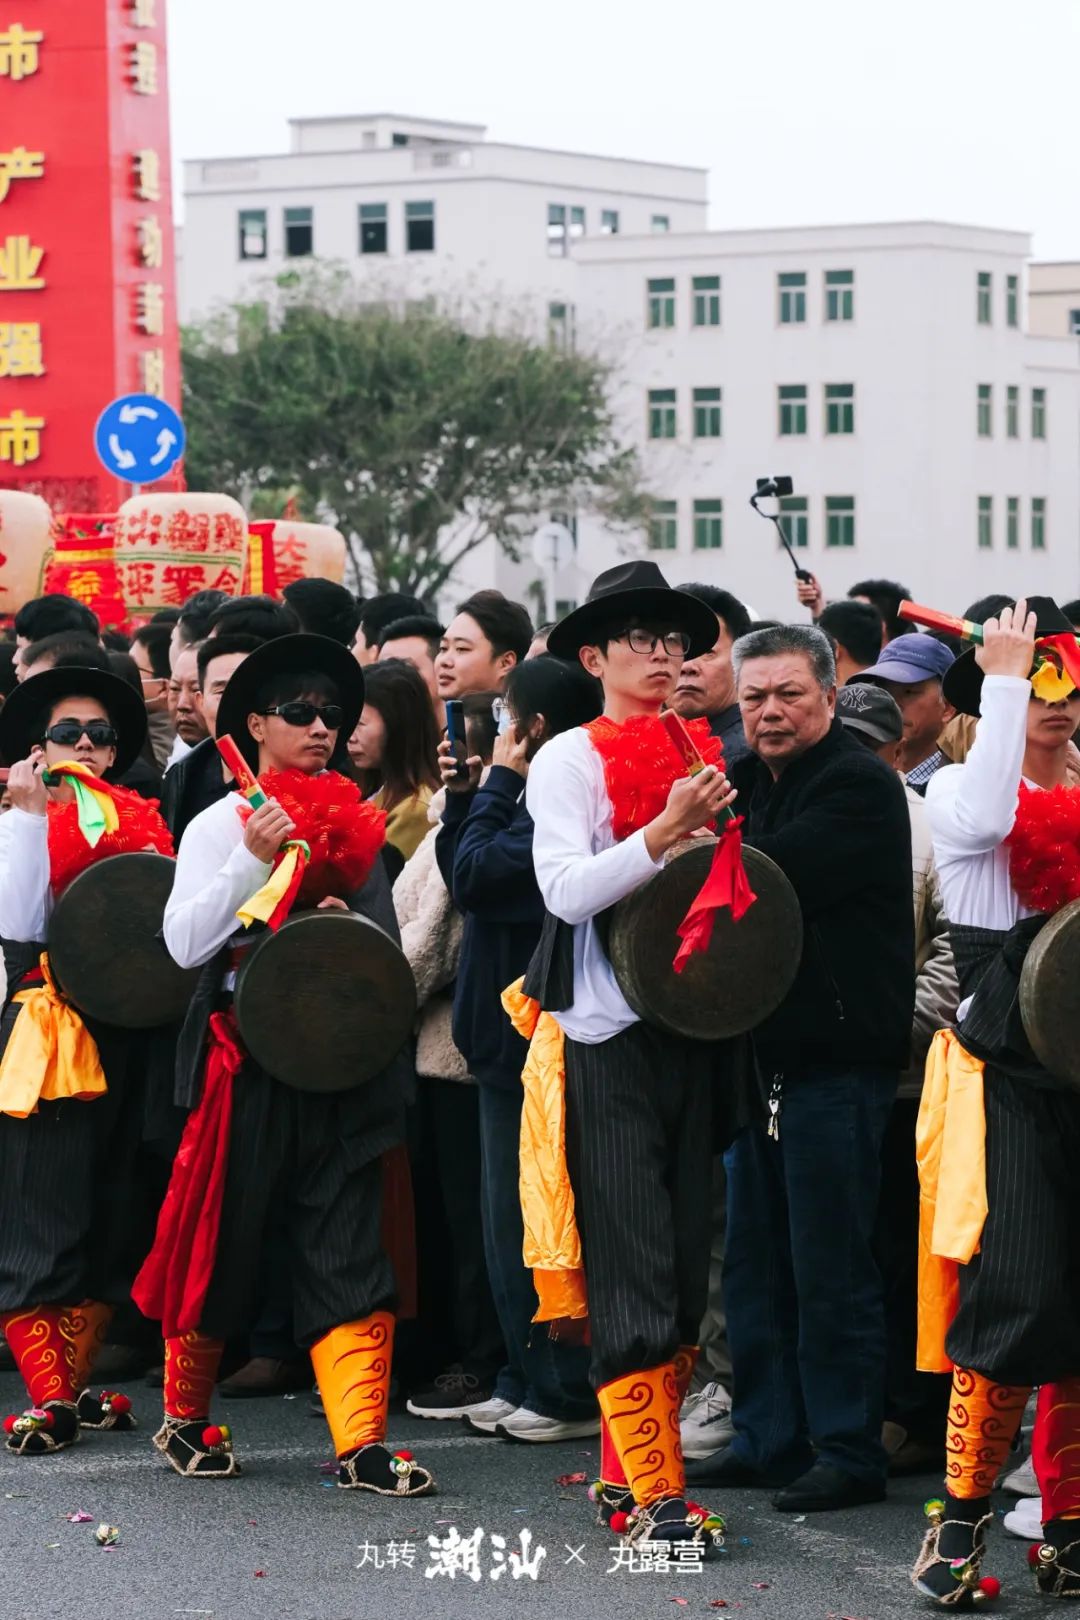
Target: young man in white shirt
x,y
999,1135
255,1149
608,801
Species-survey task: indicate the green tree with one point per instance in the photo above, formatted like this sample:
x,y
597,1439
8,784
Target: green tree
x,y
419,436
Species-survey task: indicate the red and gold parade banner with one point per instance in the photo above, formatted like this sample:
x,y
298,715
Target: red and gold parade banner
x,y
169,546
87,258
83,565
280,550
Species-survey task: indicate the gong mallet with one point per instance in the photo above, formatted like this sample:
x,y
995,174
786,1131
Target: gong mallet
x,y
688,750
966,629
241,772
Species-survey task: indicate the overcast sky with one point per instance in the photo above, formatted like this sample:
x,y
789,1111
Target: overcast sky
x,y
803,111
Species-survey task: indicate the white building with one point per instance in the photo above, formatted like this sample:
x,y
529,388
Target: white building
x,y
886,368
1054,298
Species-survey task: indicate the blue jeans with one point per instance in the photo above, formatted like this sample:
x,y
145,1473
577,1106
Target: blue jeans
x,y
549,1378
805,1313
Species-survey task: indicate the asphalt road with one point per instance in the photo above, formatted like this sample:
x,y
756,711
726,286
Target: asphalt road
x,y
279,1544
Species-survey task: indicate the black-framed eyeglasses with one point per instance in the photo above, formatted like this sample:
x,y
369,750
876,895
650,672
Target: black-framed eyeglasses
x,y
303,713
66,733
640,640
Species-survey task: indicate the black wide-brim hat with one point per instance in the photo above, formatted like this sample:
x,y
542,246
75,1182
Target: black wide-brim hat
x,y
25,713
962,683
290,655
635,590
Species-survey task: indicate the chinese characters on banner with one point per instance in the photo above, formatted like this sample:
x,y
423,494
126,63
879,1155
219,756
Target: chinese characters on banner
x,y
82,565
167,547
280,550
87,260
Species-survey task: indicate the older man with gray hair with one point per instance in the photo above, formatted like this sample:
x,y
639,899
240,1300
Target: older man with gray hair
x,y
803,1293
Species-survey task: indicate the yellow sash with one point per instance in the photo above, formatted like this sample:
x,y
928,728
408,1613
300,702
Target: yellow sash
x,y
950,1148
552,1246
51,1054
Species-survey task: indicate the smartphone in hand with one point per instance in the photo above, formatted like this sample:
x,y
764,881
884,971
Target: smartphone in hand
x,y
455,734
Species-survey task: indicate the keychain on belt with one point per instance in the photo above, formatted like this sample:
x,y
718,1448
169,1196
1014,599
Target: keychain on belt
x,y
776,1098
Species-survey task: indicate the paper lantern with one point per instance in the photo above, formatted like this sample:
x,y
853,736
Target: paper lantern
x,y
281,551
82,564
25,538
168,546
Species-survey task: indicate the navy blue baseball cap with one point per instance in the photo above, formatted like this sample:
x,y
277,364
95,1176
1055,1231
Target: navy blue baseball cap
x,y
910,659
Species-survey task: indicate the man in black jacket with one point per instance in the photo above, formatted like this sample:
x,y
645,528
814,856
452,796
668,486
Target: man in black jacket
x,y
803,1294
198,780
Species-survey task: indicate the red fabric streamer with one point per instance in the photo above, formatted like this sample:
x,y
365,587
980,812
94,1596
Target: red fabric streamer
x,y
726,885
141,827
288,899
641,763
172,1284
1044,847
343,832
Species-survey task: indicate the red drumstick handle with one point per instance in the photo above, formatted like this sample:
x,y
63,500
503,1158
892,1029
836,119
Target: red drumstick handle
x,y
688,749
241,771
966,629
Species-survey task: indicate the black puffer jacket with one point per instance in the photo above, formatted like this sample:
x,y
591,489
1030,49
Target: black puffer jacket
x,y
836,822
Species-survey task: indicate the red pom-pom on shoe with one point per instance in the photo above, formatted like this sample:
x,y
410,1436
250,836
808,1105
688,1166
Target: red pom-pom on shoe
x,y
619,1522
212,1435
1033,1554
405,1456
990,1587
120,1403
10,1422
50,1420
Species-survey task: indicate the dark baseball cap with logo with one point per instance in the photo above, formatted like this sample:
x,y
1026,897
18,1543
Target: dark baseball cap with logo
x,y
869,709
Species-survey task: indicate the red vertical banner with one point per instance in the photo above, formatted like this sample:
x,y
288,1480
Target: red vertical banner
x,y
87,251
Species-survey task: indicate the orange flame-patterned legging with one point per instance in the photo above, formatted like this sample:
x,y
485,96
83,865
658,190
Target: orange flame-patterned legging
x,y
983,1420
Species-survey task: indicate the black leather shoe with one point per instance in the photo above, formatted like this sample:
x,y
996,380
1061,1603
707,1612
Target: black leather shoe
x,y
726,1467
824,1489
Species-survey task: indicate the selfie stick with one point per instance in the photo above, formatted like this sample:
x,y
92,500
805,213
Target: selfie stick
x,y
777,487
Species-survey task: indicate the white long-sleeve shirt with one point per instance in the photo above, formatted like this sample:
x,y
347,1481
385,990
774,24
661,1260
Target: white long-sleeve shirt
x,y
972,807
26,899
215,874
581,871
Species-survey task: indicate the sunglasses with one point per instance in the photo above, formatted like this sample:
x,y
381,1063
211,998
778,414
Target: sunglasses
x,y
66,733
302,713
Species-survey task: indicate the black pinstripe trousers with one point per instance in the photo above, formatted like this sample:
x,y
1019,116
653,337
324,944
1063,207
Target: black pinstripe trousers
x,y
1018,1320
76,1217
639,1152
309,1164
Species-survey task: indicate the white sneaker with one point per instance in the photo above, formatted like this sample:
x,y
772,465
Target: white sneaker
x,y
1022,1481
705,1421
1025,1519
530,1426
482,1419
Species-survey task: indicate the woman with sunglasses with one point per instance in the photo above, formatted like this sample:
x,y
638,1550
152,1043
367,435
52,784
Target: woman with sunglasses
x,y
259,1151
72,1090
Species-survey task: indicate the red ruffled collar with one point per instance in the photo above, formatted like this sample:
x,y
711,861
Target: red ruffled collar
x,y
641,763
343,832
1044,847
141,828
